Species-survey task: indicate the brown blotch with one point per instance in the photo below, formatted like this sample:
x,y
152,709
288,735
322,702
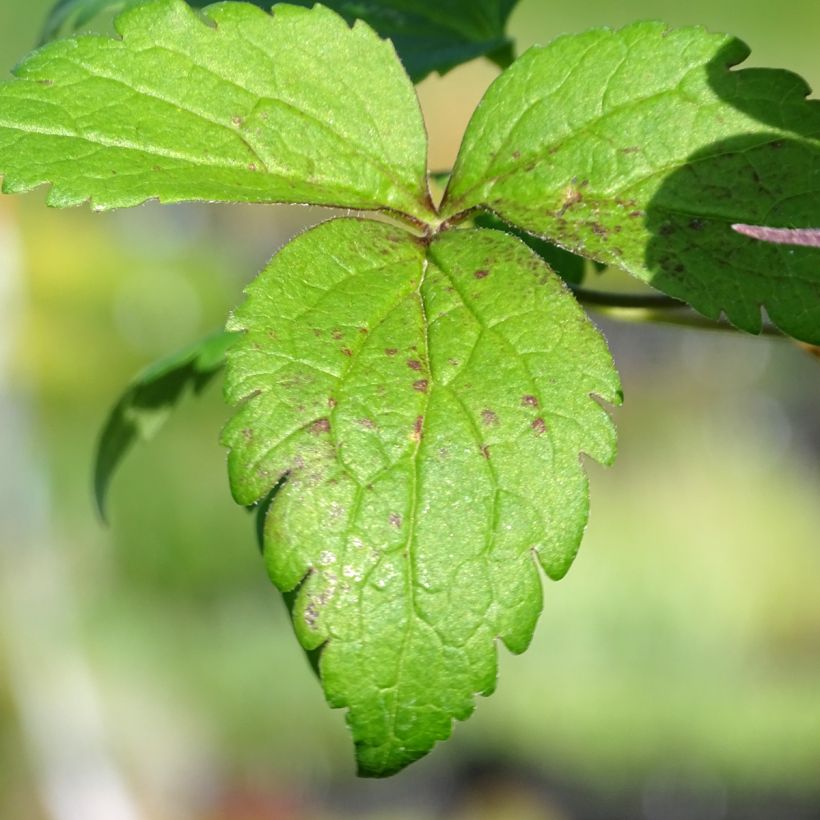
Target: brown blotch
x,y
539,427
395,520
391,351
320,426
571,197
414,364
481,274
421,385
529,401
363,330
635,214
418,428
488,417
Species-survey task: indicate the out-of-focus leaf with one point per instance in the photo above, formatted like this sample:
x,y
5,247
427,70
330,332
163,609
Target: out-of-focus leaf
x,y
147,403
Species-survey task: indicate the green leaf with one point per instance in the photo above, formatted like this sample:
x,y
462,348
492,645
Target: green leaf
x,y
429,35
147,403
252,108
641,148
427,405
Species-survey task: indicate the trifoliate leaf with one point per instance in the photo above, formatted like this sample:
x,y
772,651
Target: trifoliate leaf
x,y
295,107
426,406
641,148
147,403
429,35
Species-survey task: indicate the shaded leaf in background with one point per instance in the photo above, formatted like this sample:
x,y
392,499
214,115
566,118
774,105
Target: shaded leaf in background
x,y
641,148
429,35
147,403
426,406
254,109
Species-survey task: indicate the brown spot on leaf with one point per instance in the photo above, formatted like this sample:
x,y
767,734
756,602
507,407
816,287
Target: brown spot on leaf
x,y
337,334
529,401
347,351
485,451
247,433
697,224
481,274
391,351
635,214
237,121
421,385
414,364
539,427
320,426
331,402
418,428
368,424
395,520
667,229
489,417
572,196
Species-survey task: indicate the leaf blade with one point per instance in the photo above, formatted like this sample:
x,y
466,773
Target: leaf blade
x,y
640,148
428,36
431,401
256,108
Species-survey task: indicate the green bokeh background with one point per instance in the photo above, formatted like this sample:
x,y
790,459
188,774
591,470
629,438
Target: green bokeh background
x,y
675,672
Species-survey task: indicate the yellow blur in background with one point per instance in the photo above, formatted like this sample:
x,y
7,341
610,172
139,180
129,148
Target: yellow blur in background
x,y
148,670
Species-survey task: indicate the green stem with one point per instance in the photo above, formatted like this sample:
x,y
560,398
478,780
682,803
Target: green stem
x,y
629,301
681,318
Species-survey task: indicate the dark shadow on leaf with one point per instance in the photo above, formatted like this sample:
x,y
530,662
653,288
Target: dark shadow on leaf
x,y
759,177
694,255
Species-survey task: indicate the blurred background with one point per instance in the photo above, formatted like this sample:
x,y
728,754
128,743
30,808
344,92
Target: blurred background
x,y
148,669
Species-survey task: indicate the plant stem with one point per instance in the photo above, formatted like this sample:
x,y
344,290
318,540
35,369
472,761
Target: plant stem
x,y
631,301
683,317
